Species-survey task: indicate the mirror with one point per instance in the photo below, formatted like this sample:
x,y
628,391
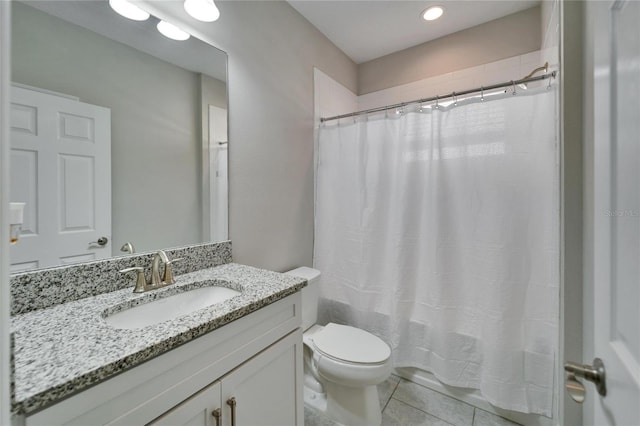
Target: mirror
x,y
118,135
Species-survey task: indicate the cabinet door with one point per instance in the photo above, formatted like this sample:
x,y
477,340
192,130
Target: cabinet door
x,y
267,389
198,410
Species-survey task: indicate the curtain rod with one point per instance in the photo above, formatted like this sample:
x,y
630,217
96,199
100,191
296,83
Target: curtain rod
x,y
449,95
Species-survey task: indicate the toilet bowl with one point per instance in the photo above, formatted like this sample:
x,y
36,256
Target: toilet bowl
x,y
342,365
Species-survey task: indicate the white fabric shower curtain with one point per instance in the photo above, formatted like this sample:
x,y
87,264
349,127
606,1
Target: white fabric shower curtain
x,y
438,230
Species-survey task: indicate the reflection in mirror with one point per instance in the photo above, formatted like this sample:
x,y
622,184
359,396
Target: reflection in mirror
x,y
118,135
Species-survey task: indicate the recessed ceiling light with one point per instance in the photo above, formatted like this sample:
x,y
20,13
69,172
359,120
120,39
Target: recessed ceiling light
x,y
432,13
202,10
129,10
171,31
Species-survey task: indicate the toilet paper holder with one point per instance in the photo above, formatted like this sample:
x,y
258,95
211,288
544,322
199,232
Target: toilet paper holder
x,y
16,218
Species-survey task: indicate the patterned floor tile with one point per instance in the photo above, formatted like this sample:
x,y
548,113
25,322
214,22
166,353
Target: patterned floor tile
x,y
439,405
483,418
400,414
386,389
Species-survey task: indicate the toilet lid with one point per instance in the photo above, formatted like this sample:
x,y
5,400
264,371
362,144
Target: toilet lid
x,y
351,344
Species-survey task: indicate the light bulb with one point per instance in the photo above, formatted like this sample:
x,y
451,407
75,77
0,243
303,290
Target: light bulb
x,y
202,10
172,32
128,10
432,13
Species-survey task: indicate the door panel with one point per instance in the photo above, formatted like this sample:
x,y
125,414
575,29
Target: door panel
x,y
24,180
616,268
267,390
76,192
625,141
61,169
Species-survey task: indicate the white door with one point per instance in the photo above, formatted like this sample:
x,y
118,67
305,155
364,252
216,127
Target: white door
x,y
61,169
218,181
616,269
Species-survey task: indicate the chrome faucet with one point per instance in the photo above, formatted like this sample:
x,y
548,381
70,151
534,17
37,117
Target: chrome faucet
x,y
155,267
143,285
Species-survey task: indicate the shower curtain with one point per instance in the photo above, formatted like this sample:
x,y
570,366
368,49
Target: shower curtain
x,y
437,229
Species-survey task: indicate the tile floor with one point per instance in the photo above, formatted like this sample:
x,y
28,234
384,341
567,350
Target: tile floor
x,y
405,403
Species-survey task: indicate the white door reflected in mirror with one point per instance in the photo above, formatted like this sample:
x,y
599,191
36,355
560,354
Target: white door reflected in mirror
x,y
218,183
61,169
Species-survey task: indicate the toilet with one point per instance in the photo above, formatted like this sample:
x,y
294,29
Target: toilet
x,y
342,365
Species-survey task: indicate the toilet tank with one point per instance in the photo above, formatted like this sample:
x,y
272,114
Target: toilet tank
x,y
310,294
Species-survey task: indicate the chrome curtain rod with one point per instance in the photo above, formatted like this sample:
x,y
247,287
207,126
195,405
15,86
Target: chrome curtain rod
x,y
440,97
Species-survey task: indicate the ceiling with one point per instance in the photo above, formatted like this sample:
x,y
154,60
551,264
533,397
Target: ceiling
x,y
193,54
369,29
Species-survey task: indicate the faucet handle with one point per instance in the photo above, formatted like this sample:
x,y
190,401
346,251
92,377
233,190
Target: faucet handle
x,y
128,248
141,280
168,271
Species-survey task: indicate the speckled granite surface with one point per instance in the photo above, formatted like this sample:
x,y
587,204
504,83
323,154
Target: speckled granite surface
x,y
48,287
68,347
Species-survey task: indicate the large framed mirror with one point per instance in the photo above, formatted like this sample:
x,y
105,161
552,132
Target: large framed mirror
x,y
118,135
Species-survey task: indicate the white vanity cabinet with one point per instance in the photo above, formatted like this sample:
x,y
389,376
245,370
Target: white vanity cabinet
x,y
202,409
260,392
256,359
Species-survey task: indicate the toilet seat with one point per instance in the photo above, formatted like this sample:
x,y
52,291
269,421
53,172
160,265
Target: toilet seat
x,y
351,345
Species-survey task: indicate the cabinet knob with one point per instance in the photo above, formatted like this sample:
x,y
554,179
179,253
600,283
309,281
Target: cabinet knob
x,y
217,414
231,402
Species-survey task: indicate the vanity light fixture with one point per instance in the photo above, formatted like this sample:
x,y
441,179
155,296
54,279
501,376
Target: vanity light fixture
x,y
432,13
128,10
202,10
171,31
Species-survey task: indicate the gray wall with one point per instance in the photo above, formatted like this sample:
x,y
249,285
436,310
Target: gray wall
x,y
155,113
502,38
272,51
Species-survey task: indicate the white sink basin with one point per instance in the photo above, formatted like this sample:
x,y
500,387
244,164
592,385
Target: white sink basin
x,y
170,307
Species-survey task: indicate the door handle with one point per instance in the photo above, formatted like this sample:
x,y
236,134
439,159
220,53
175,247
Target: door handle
x,y
594,373
102,241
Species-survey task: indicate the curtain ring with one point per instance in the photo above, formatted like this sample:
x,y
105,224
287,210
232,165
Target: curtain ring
x,y
514,87
482,93
455,99
549,84
437,99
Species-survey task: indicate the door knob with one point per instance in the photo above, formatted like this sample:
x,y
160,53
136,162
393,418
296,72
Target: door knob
x,y
594,373
575,388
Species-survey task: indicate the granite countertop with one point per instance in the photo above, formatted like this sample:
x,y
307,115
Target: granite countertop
x,y
66,348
